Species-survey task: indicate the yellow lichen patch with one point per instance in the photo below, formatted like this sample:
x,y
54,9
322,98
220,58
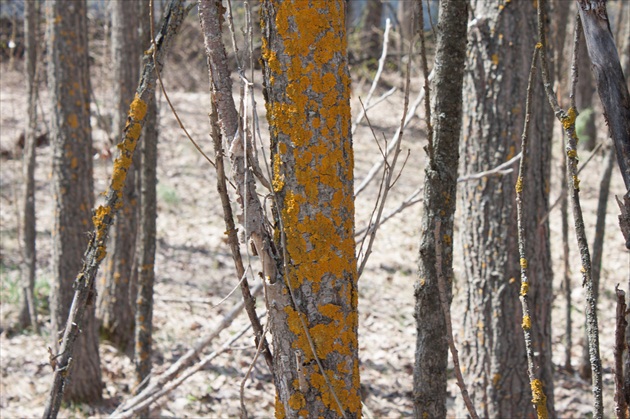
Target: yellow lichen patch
x,y
568,121
572,154
278,178
495,59
539,399
576,183
539,45
519,185
527,323
138,108
523,263
297,401
524,288
495,379
98,220
73,121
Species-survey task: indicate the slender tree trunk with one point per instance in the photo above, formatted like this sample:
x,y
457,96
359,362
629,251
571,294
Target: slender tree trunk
x,y
439,208
307,91
147,225
71,137
116,300
28,309
501,42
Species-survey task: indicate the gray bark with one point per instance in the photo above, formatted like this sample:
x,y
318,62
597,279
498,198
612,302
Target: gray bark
x,y
440,188
71,138
116,300
501,43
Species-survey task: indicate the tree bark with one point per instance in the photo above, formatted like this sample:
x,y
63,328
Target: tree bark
x,y
116,300
501,42
307,91
71,138
147,223
28,308
440,189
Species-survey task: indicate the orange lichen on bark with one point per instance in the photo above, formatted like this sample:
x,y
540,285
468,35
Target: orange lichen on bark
x,y
539,399
313,168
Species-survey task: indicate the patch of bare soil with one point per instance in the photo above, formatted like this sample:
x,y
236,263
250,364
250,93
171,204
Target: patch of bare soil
x,y
195,272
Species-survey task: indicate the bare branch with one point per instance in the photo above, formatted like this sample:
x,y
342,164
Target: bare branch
x,y
147,395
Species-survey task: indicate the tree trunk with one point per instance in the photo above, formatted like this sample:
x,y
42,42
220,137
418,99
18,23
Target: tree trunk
x,y
501,42
28,309
71,137
313,304
147,225
439,207
116,301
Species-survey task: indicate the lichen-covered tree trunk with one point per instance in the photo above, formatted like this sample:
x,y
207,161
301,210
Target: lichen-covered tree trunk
x,y
501,42
27,310
116,300
436,242
313,303
71,135
147,224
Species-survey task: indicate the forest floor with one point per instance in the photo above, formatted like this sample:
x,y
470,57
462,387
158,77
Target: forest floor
x,y
195,272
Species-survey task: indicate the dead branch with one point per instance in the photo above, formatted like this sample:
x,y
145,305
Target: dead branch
x,y
415,197
104,214
611,83
137,403
446,309
377,77
144,403
539,399
225,114
386,182
394,143
567,119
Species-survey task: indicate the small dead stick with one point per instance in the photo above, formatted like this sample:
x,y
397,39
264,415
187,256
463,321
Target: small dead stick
x,y
144,403
449,325
104,214
621,408
178,368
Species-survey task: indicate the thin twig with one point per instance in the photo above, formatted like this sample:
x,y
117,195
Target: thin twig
x,y
377,77
539,399
446,310
176,369
427,88
132,410
567,119
395,141
387,177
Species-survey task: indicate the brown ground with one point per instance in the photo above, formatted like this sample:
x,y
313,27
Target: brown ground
x,y
193,261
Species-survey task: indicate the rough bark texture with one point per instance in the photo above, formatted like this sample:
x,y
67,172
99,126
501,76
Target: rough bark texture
x,y
307,91
116,300
439,207
501,42
609,79
28,310
71,137
147,223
